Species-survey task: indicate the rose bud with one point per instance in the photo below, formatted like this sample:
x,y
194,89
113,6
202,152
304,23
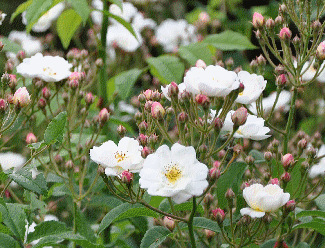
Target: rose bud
x,y
127,177
148,94
121,130
230,194
239,117
286,177
287,161
320,52
145,152
218,215
182,117
3,105
209,234
173,90
202,100
258,20
270,24
21,97
89,98
290,206
281,80
218,124
41,103
274,181
143,126
157,111
46,93
142,139
214,173
285,34
280,244
31,138
103,115
200,64
169,223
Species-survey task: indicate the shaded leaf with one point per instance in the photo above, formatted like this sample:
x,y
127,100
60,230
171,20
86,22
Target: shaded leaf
x,y
21,8
154,237
315,213
196,51
47,228
258,156
315,225
83,227
8,242
82,8
35,10
10,46
55,130
320,202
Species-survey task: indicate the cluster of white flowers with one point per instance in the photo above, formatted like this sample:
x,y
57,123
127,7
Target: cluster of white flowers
x,y
263,199
173,33
174,172
216,81
45,21
117,34
48,68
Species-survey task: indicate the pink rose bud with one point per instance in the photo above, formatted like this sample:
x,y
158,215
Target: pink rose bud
x,y
239,117
169,223
89,98
287,161
127,177
74,84
121,130
214,173
3,105
7,194
203,100
142,139
182,117
286,177
218,215
230,194
217,164
103,115
148,94
244,185
275,181
145,152
157,110
280,244
21,97
31,138
204,17
281,80
21,55
200,64
258,20
173,90
320,52
143,126
268,156
285,33
290,206
270,24
41,103
46,93
218,124
1,46
209,234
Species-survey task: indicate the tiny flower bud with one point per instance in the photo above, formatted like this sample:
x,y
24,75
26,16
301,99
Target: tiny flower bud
x,y
69,165
274,181
208,199
253,65
320,52
147,106
173,90
103,115
143,126
290,206
170,111
138,116
281,80
229,63
3,105
156,96
121,130
148,94
258,20
182,117
58,159
31,138
218,215
249,160
280,244
203,100
239,117
74,84
287,161
200,64
214,173
46,93
302,144
296,40
169,223
142,139
261,61
285,34
89,98
279,21
41,103
209,234
221,154
152,139
127,177
270,24
230,194
316,26
1,46
21,97
286,177
244,185
218,124
99,62
157,111
145,152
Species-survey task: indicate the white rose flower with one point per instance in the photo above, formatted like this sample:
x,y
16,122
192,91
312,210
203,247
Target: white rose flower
x,y
192,79
118,158
174,173
129,11
252,129
11,160
48,68
171,34
217,81
319,168
139,22
267,102
117,34
254,86
309,71
181,89
97,16
263,199
45,21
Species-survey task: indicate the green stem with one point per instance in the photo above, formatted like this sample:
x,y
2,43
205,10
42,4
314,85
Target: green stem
x,y
190,223
176,223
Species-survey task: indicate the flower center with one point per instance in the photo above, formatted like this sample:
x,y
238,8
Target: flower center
x,y
241,93
49,71
173,173
120,156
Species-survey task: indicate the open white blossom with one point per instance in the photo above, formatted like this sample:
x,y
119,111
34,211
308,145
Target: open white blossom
x,y
254,86
96,15
319,168
263,199
48,68
139,22
171,34
11,160
181,88
118,158
128,12
252,129
45,21
174,173
267,102
309,71
29,44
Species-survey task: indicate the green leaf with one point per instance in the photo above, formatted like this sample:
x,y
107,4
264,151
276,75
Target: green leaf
x,y
315,213
3,176
320,202
295,181
205,223
315,225
258,156
119,3
21,8
229,40
154,237
303,245
14,218
127,25
8,242
105,201
55,130
125,211
81,7
196,51
37,145
185,206
231,179
10,46
24,178
35,10
124,82
82,226
67,24
47,228
35,203
269,244
167,68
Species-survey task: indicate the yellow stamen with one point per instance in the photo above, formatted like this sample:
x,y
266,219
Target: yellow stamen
x,y
120,156
173,174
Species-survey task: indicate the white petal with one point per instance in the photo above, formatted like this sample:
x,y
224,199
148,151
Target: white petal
x,y
252,213
181,197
